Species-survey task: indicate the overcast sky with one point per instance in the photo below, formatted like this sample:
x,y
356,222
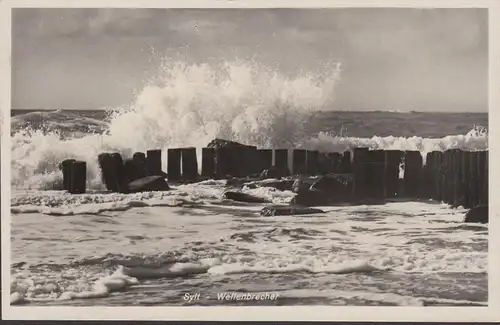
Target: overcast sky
x,y
392,59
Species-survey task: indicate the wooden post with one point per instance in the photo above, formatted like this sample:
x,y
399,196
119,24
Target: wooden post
x,y
153,162
299,161
130,171
412,173
482,176
266,158
65,167
438,175
174,164
359,167
346,165
376,174
207,162
312,162
393,159
78,177
457,181
281,159
335,160
141,163
251,161
117,173
223,162
189,164
426,190
474,188
448,172
486,179
324,164
466,178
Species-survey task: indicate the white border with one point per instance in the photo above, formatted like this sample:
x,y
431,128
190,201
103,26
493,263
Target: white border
x,y
283,313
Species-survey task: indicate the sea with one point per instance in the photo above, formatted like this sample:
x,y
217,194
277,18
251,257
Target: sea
x,y
189,246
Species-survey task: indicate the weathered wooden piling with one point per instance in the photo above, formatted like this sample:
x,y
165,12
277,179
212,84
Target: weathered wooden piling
x,y
266,158
78,177
393,160
473,183
485,185
189,164
360,169
412,173
65,167
312,162
223,165
377,177
281,159
141,163
207,162
299,161
345,163
174,164
130,171
250,161
153,162
324,164
466,176
438,175
335,160
447,179
457,181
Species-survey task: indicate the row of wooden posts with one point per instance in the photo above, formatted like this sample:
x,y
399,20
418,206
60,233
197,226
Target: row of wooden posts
x,y
455,177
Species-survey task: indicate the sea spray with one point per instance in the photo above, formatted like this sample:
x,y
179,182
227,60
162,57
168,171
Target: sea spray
x,y
189,105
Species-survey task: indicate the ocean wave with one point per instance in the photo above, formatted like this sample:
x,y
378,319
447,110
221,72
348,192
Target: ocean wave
x,y
189,105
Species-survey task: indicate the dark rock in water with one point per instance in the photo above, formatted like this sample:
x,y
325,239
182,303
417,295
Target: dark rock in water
x,y
290,210
243,197
274,172
478,214
149,183
300,186
339,186
312,198
221,143
282,185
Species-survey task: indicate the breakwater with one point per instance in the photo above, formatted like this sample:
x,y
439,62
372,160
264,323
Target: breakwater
x,y
456,177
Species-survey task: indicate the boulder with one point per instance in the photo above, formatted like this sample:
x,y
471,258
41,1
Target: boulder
x,y
243,197
338,186
478,214
282,185
300,186
221,143
312,198
290,210
147,184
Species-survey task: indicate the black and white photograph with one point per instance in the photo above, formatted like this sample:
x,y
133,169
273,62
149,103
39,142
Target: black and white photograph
x,y
235,157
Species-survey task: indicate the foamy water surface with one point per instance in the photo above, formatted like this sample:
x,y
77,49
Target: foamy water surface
x,y
153,248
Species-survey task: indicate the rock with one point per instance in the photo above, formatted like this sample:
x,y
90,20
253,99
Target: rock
x,y
282,185
243,197
279,210
478,214
149,183
273,172
221,143
299,186
338,186
312,198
